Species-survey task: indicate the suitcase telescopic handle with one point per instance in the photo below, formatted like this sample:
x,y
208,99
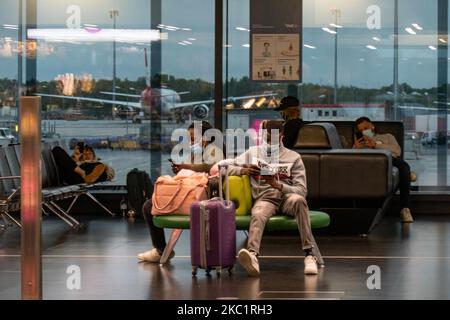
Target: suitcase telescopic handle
x,y
227,185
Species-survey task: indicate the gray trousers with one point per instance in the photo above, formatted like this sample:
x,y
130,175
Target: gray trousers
x,y
291,204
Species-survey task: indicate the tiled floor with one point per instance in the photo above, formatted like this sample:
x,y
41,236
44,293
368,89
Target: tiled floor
x,y
414,263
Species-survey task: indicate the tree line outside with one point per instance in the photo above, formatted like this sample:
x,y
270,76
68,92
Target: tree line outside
x,y
198,89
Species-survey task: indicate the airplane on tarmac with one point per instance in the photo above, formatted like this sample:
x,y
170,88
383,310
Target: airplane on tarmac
x,y
151,98
154,103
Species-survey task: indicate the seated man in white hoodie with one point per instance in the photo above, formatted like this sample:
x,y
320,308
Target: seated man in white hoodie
x,y
278,181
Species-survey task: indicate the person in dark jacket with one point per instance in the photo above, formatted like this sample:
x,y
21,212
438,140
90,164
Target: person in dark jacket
x,y
289,108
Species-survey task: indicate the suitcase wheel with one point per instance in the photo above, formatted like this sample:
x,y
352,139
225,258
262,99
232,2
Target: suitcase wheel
x,y
218,271
194,271
208,271
230,270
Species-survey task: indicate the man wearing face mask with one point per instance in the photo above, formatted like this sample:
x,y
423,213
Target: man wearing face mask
x,y
289,108
278,181
371,139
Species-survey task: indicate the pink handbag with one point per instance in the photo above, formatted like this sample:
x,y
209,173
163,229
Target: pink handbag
x,y
174,195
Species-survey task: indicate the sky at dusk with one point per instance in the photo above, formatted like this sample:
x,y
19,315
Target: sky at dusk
x,y
358,65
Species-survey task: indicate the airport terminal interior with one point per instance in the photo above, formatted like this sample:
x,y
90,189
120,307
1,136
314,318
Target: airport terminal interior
x,y
105,104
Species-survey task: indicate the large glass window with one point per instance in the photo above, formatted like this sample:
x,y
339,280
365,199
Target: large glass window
x,y
9,72
125,95
359,59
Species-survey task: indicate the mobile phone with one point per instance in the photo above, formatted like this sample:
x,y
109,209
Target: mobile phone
x,y
358,135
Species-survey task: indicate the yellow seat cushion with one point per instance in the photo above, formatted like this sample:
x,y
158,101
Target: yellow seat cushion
x,y
241,194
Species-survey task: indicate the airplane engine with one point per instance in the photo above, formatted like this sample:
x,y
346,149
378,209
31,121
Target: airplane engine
x,y
200,111
124,111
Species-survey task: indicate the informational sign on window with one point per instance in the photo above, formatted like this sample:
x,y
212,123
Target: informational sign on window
x,y
275,31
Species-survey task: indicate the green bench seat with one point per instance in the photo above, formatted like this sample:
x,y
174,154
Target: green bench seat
x,y
276,223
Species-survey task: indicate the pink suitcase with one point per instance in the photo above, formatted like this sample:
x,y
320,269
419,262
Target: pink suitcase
x,y
213,233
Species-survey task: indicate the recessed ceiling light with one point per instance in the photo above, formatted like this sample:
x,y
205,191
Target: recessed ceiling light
x,y
336,25
329,30
410,31
371,47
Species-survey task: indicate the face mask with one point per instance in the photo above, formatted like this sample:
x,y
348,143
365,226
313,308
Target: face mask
x,y
196,149
368,133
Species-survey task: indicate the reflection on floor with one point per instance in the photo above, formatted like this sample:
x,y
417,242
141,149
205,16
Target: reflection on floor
x,y
414,263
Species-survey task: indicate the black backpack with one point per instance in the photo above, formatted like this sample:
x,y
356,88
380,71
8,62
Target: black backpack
x,y
140,189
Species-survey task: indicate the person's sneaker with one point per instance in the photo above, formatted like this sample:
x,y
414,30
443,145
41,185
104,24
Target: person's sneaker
x,y
95,174
406,216
153,256
249,262
310,265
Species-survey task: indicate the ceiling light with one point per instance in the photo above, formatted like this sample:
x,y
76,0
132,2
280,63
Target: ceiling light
x,y
336,25
417,26
261,101
309,46
11,26
376,38
442,40
371,47
94,35
410,31
249,104
432,48
246,45
329,30
242,29
192,39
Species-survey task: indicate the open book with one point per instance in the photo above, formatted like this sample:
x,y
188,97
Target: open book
x,y
280,171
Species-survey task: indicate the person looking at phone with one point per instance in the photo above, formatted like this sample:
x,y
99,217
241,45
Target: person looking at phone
x,y
209,156
367,137
209,152
281,187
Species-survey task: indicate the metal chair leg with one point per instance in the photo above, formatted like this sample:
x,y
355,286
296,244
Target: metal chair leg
x,y
176,233
59,215
73,202
10,217
5,221
98,202
68,216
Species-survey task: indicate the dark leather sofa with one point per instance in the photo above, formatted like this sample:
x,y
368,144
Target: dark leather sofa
x,y
354,187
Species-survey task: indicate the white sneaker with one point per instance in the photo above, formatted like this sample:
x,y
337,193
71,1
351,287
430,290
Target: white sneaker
x,y
406,216
153,256
249,262
310,265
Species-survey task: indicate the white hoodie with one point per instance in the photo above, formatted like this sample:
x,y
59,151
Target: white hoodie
x,y
289,169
